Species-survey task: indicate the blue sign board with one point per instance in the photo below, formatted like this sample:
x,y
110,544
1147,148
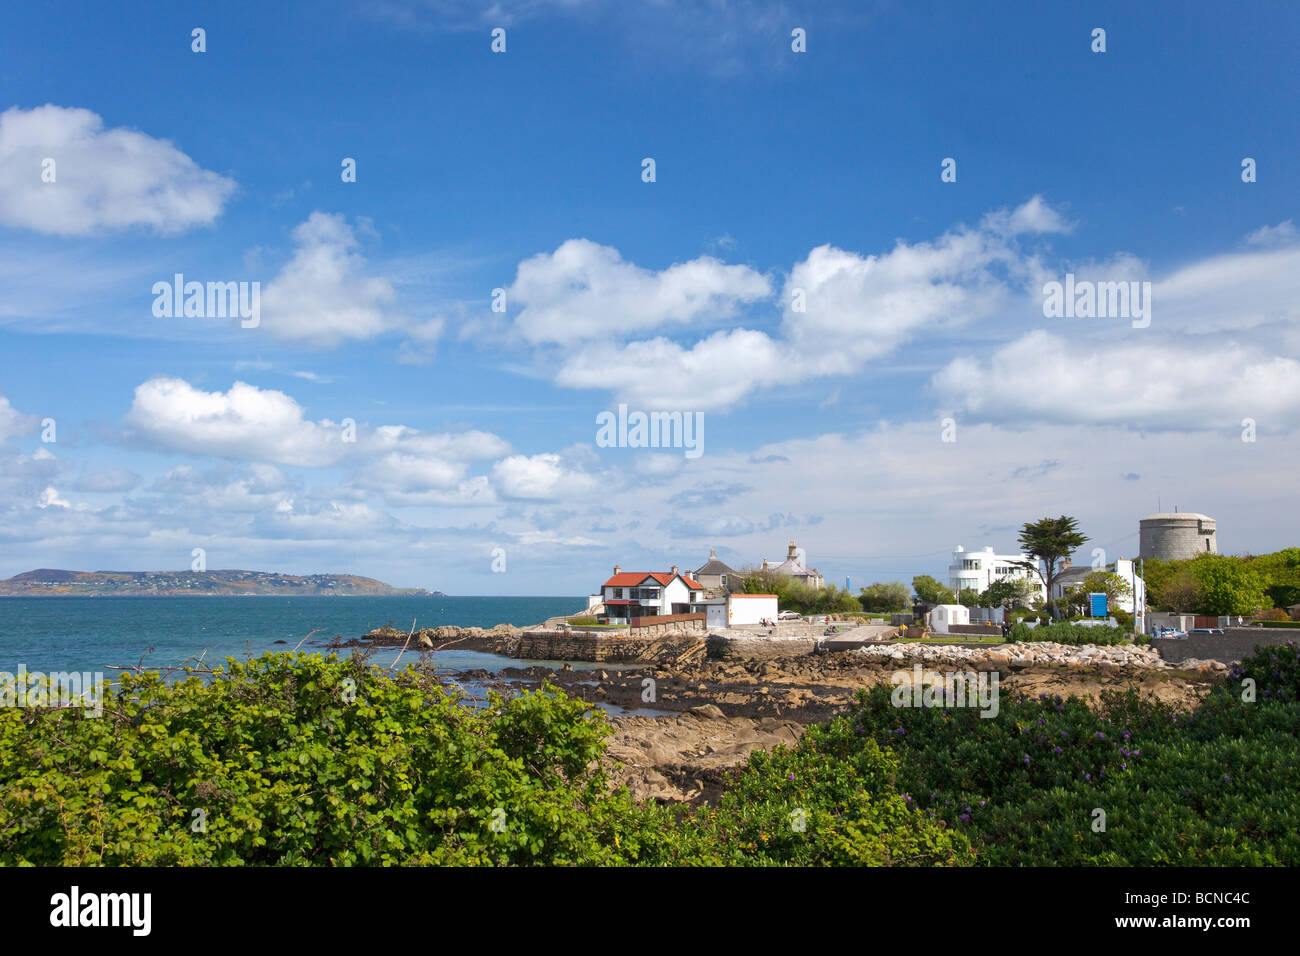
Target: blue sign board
x,y
1098,605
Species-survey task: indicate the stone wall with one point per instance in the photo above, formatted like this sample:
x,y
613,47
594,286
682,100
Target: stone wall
x,y
566,645
577,645
1232,645
741,646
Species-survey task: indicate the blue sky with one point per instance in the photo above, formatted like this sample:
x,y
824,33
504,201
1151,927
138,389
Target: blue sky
x,y
775,171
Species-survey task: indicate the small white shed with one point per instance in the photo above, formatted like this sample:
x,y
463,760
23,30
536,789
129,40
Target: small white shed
x,y
944,615
750,608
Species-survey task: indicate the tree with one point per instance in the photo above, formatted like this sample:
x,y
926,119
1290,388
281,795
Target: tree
x,y
1282,568
968,597
884,597
931,591
1048,541
1157,574
1180,593
1228,585
1098,582
794,595
1007,592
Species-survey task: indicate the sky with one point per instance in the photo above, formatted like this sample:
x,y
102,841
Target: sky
x,y
833,260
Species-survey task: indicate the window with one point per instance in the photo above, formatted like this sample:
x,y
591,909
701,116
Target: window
x,y
724,580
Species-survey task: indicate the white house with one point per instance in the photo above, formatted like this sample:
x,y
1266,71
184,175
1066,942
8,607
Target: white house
x,y
634,594
941,616
976,570
1073,577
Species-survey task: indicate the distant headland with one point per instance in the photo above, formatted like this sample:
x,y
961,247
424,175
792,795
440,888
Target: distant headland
x,y
47,582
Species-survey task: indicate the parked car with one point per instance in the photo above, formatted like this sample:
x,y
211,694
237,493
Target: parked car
x,y
1169,632
789,616
1206,630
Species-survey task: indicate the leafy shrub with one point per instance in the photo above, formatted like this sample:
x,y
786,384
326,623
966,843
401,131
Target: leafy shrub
x,y
1076,634
830,800
289,768
1271,614
1177,789
283,769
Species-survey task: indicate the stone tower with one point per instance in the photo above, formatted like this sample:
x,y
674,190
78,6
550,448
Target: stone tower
x,y
1177,536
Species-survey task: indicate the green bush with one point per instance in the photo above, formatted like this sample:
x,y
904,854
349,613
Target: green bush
x,y
299,759
1271,614
793,595
1214,787
1077,634
281,767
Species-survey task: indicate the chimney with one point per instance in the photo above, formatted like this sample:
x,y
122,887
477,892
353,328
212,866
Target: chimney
x,y
789,556
616,569
674,570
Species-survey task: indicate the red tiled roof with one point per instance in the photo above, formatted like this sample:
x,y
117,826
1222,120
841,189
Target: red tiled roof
x,y
630,579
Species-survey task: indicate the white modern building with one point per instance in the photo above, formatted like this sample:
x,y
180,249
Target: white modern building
x,y
976,570
633,594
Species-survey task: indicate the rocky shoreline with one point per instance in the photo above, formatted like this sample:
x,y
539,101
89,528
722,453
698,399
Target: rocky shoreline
x,y
685,714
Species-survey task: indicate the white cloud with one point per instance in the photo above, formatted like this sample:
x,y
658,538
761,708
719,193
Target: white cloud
x,y
245,422
23,476
462,446
323,297
1238,291
1283,234
1140,383
107,482
858,308
13,423
49,498
105,179
660,374
1033,216
263,425
587,291
421,345
855,309
540,478
471,14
